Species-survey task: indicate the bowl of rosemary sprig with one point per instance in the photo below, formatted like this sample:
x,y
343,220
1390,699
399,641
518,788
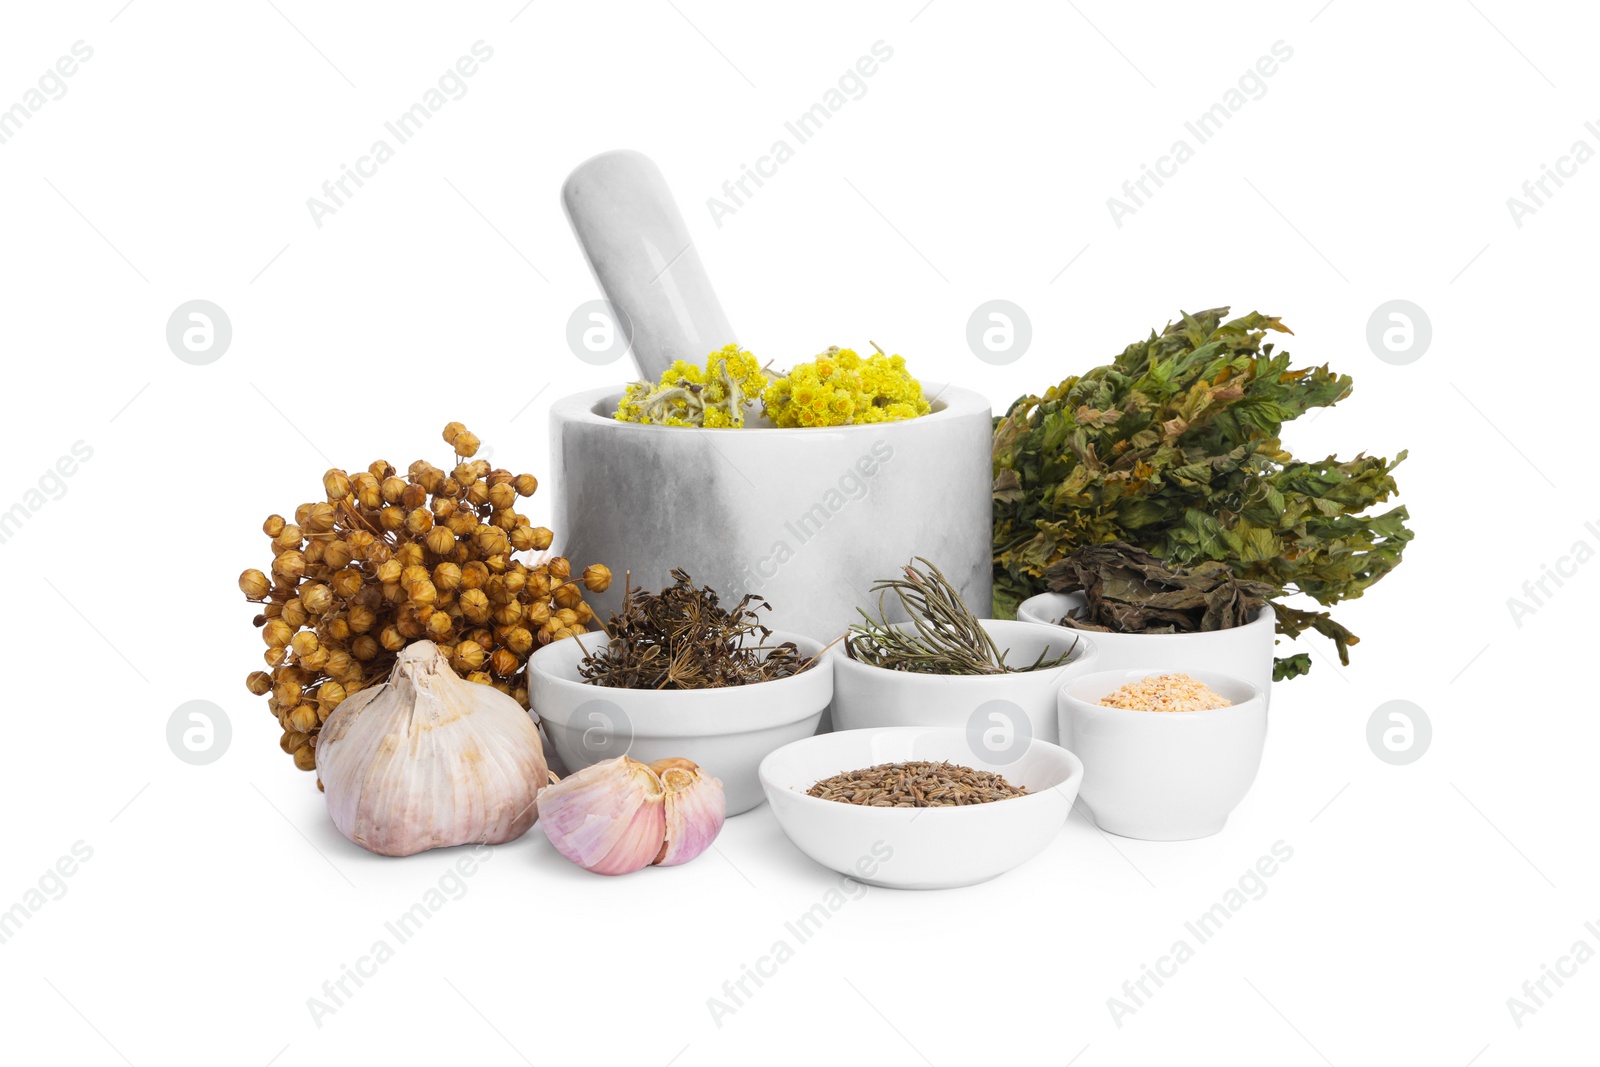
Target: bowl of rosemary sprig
x,y
944,666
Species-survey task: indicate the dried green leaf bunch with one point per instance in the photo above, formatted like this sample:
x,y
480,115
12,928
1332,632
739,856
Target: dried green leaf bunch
x,y
385,560
682,638
1174,447
1126,590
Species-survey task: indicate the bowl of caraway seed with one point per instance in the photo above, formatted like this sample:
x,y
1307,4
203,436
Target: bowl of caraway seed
x,y
919,808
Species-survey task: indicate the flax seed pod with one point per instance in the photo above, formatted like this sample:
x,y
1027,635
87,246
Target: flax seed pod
x,y
303,719
597,577
277,633
367,489
346,583
317,598
508,613
419,521
337,554
439,540
290,565
519,639
447,576
502,497
361,618
254,585
337,484
295,613
475,605
469,656
504,662
320,518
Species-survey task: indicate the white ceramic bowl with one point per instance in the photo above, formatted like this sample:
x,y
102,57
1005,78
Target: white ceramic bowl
x,y
865,696
918,848
801,516
726,731
1164,775
1242,651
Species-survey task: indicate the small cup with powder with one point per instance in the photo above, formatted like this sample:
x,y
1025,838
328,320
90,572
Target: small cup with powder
x,y
1167,756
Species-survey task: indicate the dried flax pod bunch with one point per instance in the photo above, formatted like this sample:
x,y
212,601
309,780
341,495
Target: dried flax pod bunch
x,y
388,559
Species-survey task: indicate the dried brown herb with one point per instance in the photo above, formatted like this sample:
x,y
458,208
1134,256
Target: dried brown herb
x,y
1127,590
947,638
917,784
682,638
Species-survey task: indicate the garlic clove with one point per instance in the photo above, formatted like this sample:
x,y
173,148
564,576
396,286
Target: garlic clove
x,y
609,818
428,760
696,810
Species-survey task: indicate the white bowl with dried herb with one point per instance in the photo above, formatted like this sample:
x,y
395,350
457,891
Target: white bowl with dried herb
x,y
1167,754
678,675
1140,611
915,808
946,667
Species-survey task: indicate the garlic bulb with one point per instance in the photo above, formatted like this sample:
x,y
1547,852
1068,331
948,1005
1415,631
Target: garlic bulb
x,y
621,815
428,760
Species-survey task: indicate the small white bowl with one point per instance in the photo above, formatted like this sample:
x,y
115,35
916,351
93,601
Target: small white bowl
x,y
1242,651
1164,775
918,848
866,697
726,731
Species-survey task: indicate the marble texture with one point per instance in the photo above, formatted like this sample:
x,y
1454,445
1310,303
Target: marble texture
x,y
639,249
807,518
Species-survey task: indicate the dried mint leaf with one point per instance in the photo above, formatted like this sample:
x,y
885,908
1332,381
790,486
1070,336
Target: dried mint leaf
x,y
1127,590
1174,447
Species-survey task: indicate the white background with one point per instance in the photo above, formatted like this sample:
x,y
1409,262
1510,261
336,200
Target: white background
x,y
977,165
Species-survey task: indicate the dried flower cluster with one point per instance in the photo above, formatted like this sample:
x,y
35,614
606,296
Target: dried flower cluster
x,y
682,638
838,388
386,560
687,395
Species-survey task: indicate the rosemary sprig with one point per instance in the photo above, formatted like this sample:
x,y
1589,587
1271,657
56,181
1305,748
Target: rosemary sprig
x,y
947,638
